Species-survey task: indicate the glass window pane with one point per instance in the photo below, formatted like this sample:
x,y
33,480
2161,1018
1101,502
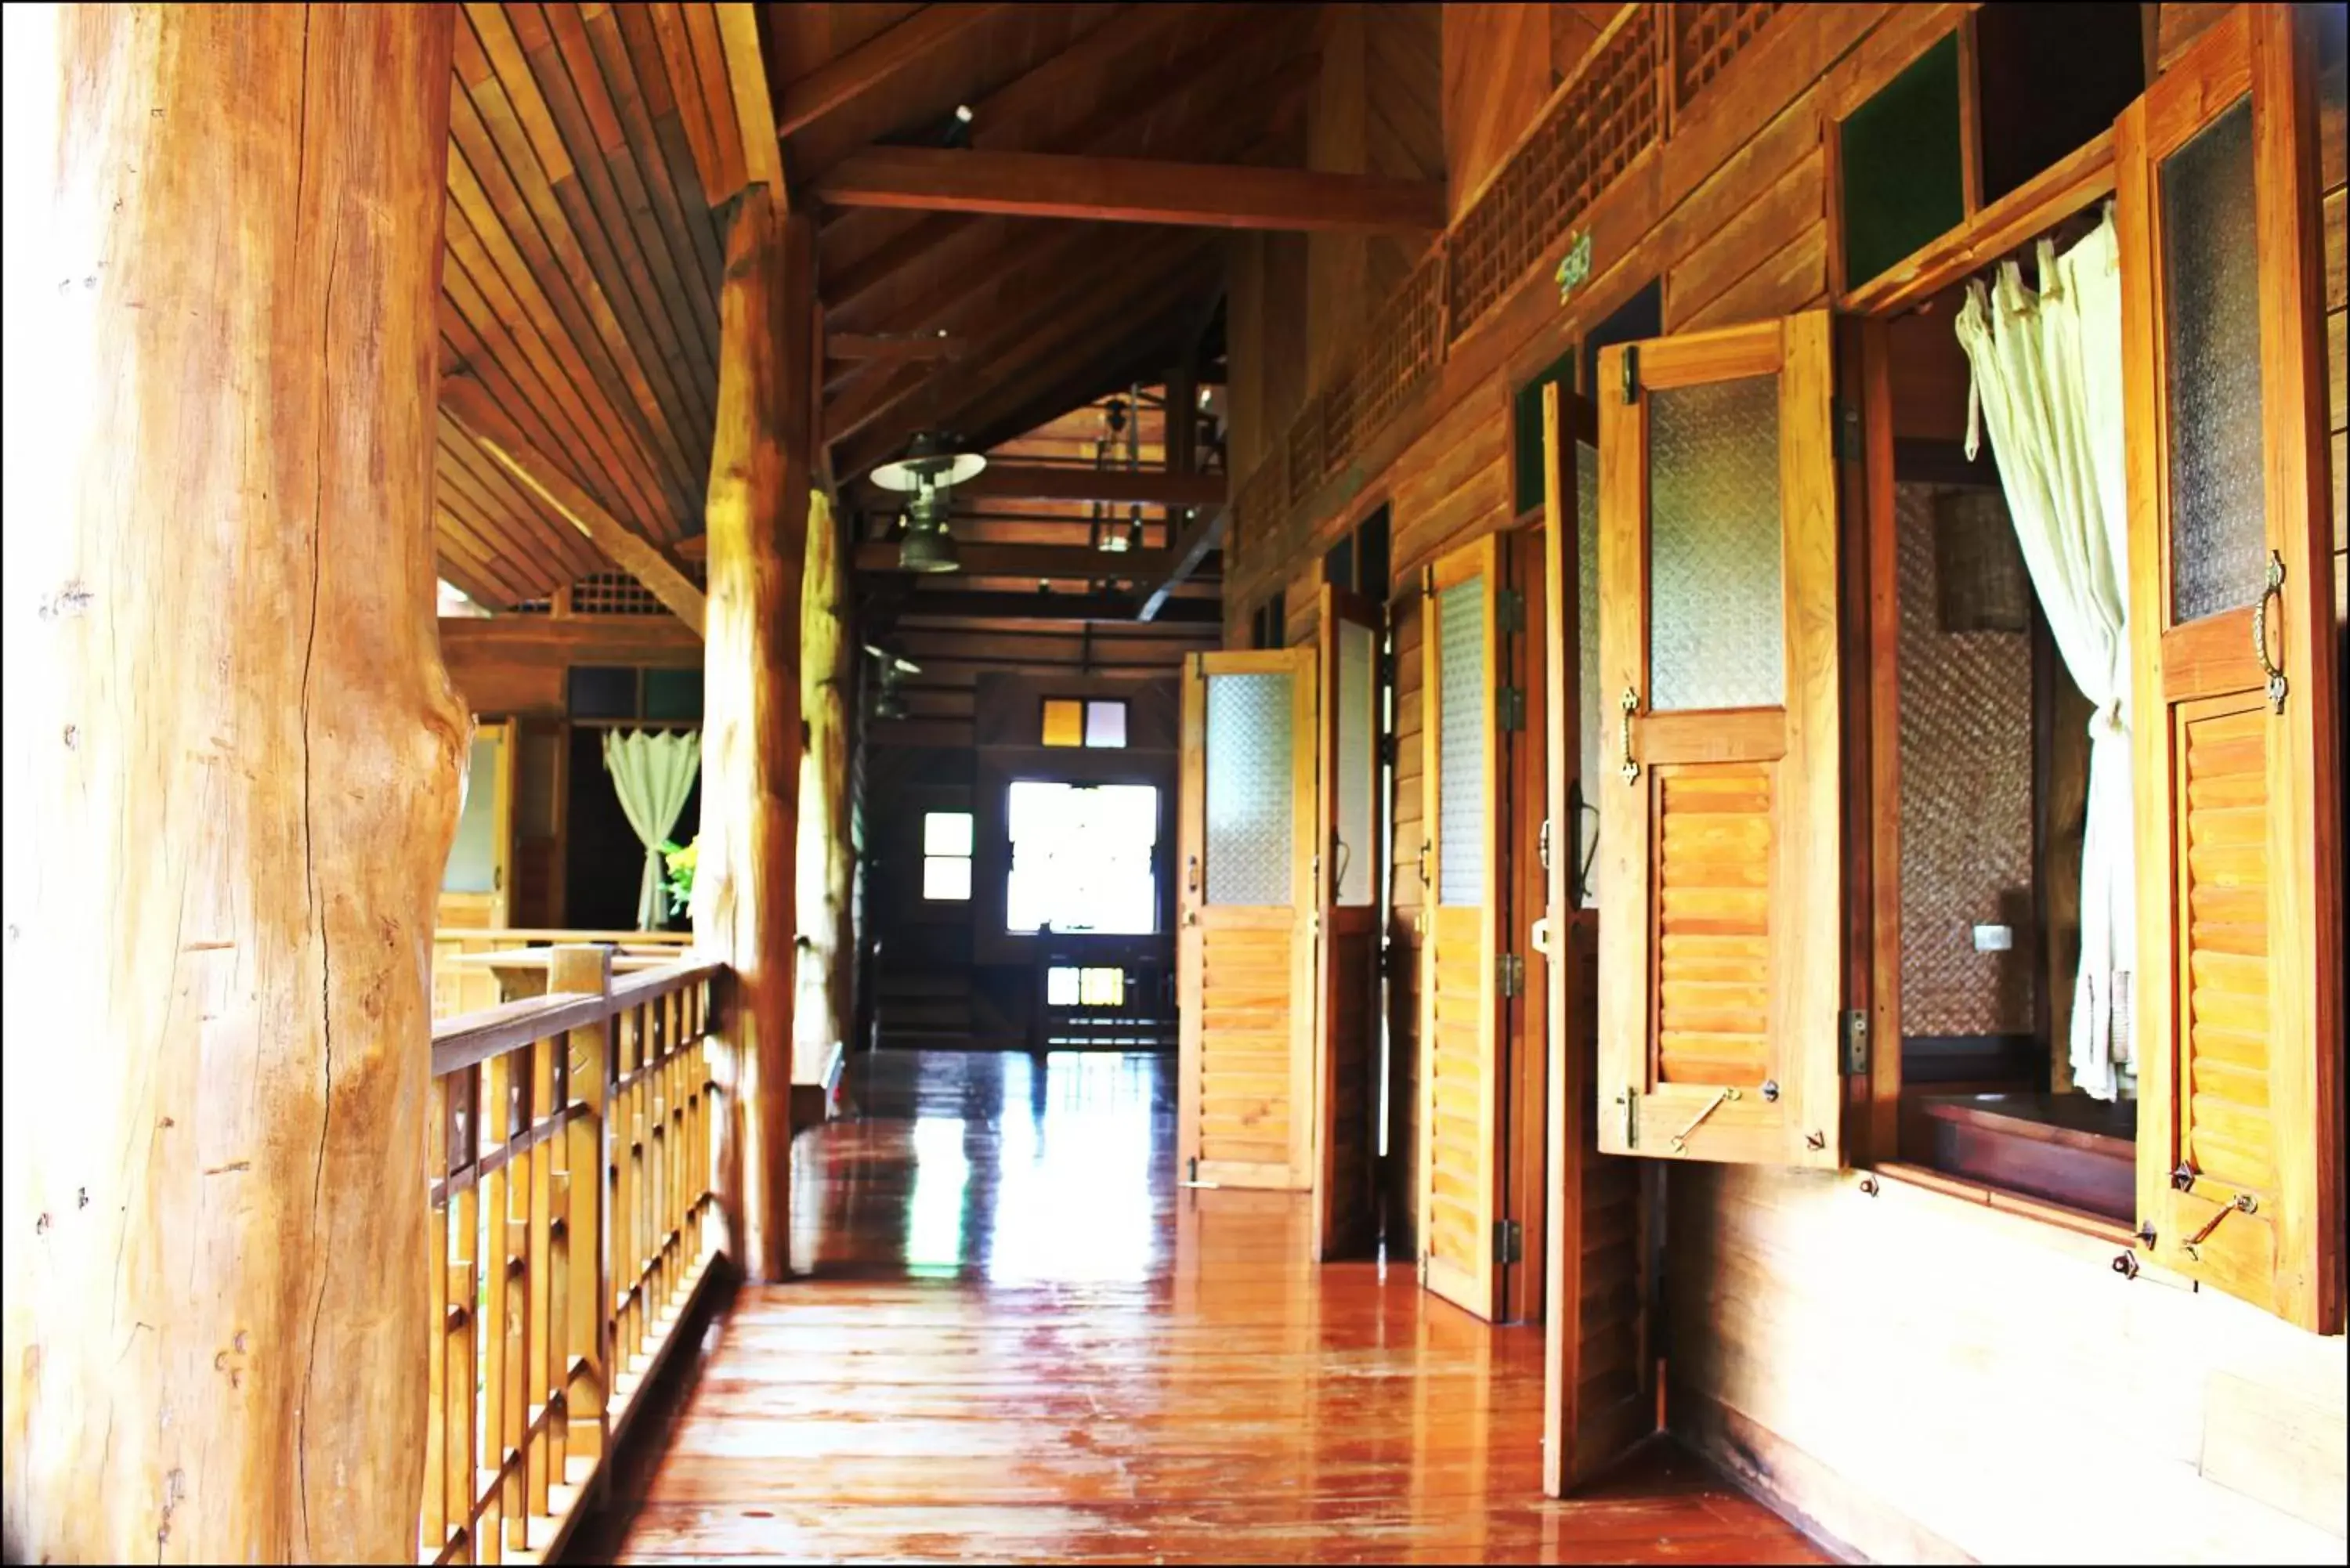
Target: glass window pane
x,y
1065,721
1101,987
946,833
603,691
1106,724
1582,835
1716,626
1357,761
473,863
1060,987
946,876
1081,858
673,693
1903,164
1461,742
1249,775
2218,504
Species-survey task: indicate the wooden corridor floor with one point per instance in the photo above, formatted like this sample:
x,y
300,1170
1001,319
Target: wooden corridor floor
x,y
1019,1340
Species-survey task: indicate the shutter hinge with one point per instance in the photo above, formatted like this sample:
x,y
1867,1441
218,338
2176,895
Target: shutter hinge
x,y
1428,581
1856,1043
1847,431
1510,973
1632,373
1388,749
1631,1103
1509,610
1541,845
1510,707
1509,1241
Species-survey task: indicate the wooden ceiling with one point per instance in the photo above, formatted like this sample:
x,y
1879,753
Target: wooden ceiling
x,y
594,154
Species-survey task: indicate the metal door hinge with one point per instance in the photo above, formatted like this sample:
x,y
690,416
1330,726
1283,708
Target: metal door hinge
x,y
1509,610
1509,1241
1388,749
1510,972
1847,431
1542,843
1631,1103
1510,707
1632,373
1428,581
1856,1043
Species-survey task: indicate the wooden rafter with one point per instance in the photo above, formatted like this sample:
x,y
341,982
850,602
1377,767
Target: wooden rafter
x,y
872,63
467,402
746,80
1037,562
948,244
1109,486
895,345
1039,607
1132,191
1191,548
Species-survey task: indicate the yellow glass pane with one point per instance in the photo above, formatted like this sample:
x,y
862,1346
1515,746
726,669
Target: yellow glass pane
x,y
1065,721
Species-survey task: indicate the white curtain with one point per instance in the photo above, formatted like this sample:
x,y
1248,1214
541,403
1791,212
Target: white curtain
x,y
2047,380
653,771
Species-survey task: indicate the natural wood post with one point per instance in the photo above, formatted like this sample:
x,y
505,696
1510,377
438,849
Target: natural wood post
x,y
586,1296
758,506
231,776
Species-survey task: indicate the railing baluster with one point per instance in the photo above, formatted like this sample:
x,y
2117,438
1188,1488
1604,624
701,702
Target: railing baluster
x,y
570,1163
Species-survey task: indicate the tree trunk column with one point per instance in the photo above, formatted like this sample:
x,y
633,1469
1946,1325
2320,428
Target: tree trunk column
x,y
744,888
231,776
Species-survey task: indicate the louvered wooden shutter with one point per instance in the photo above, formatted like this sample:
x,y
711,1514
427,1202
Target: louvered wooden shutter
x,y
2238,1011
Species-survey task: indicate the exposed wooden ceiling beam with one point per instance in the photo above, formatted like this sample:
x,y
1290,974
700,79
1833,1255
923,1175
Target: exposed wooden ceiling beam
x,y
872,63
1109,486
1015,607
1043,562
1117,127
469,403
746,83
1192,547
895,345
1132,191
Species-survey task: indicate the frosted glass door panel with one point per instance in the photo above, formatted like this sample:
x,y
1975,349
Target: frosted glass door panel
x,y
473,864
1716,621
1589,712
1357,763
1249,774
1462,705
2212,320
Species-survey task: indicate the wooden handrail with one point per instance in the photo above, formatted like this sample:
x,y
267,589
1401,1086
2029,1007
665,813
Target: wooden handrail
x,y
570,1196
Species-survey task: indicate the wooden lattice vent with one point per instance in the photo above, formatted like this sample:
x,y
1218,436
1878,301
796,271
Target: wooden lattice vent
x,y
1606,120
613,593
1704,38
1612,112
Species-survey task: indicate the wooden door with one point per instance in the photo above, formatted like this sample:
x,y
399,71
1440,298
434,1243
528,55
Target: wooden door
x,y
1346,1036
477,879
1721,860
1461,1154
1245,960
1599,1395
2232,633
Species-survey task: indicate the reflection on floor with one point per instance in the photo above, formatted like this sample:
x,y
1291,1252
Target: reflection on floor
x,y
1020,1340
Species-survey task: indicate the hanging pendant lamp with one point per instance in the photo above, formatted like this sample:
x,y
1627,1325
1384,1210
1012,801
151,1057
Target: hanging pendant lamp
x,y
927,475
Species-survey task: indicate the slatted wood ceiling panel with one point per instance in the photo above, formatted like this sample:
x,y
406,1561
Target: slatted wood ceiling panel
x,y
2225,1114
1245,1056
580,280
1713,882
1456,1156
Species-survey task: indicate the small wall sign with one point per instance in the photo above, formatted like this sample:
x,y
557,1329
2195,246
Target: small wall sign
x,y
1575,266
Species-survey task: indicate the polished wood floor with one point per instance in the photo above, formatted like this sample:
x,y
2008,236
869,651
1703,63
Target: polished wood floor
x,y
1019,1340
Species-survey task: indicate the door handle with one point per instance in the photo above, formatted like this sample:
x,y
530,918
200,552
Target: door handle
x,y
2273,589
1630,705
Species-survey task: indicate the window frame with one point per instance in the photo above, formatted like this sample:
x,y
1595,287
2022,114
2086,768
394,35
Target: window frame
x,y
969,859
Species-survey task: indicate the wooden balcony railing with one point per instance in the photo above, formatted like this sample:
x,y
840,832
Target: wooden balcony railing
x,y
457,988
570,1164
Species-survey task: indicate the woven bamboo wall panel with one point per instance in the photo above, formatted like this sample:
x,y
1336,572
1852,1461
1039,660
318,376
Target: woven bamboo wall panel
x,y
1704,38
1966,803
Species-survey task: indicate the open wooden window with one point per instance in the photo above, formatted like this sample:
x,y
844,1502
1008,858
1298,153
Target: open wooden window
x,y
1721,883
2231,624
1246,1103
